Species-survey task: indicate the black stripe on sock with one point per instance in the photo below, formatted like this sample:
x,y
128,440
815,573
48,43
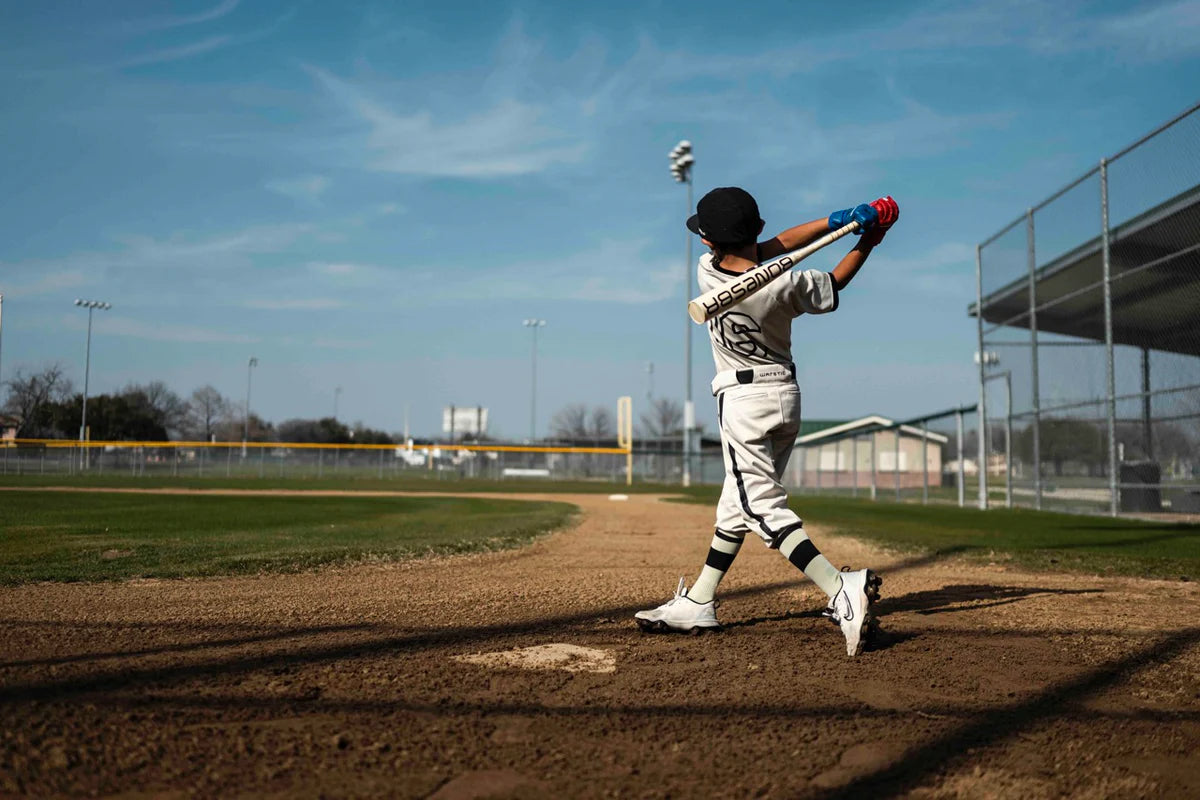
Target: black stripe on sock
x,y
778,538
718,560
730,537
803,555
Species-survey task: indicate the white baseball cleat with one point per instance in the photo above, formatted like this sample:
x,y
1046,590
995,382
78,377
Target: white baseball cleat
x,y
679,614
849,609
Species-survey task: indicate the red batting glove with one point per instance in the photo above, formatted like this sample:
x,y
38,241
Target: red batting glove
x,y
888,212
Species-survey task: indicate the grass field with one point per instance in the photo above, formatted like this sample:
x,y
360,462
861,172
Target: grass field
x,y
97,536
416,483
1035,539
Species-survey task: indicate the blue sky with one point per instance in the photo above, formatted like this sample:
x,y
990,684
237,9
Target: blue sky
x,y
374,195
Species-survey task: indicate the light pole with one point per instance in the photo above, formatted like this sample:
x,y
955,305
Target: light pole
x,y
336,392
250,365
534,324
650,385
90,305
682,161
1,338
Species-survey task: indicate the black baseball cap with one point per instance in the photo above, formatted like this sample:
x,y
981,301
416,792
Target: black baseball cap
x,y
727,215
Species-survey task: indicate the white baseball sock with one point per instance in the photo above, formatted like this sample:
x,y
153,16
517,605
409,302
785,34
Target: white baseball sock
x,y
720,557
799,549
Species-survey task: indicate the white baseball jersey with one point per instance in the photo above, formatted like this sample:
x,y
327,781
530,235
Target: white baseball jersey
x,y
759,412
758,331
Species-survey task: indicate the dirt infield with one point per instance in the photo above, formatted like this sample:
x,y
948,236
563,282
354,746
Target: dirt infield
x,y
376,680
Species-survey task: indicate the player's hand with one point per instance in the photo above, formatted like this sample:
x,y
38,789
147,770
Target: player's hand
x,y
888,211
864,214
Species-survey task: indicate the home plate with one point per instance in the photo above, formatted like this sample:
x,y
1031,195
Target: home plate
x,y
567,657
618,497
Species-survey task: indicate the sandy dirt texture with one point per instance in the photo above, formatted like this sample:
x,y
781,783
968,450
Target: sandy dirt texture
x,y
364,681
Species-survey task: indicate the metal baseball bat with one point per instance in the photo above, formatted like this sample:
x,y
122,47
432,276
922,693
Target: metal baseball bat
x,y
728,295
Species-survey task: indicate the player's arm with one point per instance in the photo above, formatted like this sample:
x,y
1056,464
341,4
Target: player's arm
x,y
886,214
849,266
793,239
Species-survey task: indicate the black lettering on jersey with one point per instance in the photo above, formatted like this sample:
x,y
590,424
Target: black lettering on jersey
x,y
737,333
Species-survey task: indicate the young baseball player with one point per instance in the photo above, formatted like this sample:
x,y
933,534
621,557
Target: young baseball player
x,y
758,404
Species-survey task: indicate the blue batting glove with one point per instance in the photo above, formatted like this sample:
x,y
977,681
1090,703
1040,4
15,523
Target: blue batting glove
x,y
866,217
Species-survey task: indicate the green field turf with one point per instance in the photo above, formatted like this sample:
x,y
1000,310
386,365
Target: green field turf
x,y
98,536
1034,539
350,483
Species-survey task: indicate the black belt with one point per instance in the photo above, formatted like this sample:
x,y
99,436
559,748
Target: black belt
x,y
747,375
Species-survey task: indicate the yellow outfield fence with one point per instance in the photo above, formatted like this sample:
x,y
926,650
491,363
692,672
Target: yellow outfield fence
x,y
313,460
658,461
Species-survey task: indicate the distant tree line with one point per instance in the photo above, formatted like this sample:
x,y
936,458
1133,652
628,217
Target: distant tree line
x,y
45,405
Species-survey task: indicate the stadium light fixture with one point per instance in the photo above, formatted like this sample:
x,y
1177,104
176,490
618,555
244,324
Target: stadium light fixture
x,y
91,306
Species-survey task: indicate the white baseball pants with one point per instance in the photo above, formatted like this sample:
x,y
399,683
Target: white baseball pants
x,y
759,424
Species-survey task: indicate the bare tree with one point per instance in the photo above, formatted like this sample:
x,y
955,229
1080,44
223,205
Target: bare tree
x,y
30,397
600,424
570,422
206,410
665,418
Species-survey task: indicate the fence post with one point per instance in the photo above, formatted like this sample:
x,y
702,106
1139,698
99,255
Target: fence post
x,y
1008,470
228,461
1033,362
1111,390
854,460
381,463
962,477
874,467
924,462
896,466
262,462
820,458
983,442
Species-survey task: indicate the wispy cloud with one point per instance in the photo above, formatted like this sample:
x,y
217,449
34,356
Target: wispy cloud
x,y
946,270
150,24
297,304
206,45
508,138
114,325
48,283
177,53
305,189
1164,31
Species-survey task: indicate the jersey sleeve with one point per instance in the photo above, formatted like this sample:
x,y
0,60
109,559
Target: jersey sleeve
x,y
812,292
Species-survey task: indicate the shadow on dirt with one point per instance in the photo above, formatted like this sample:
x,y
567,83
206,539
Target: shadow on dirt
x,y
961,744
1167,533
967,597
274,636
121,677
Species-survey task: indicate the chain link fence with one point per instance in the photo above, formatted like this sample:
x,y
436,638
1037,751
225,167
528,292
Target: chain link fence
x,y
928,459
1089,350
646,462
